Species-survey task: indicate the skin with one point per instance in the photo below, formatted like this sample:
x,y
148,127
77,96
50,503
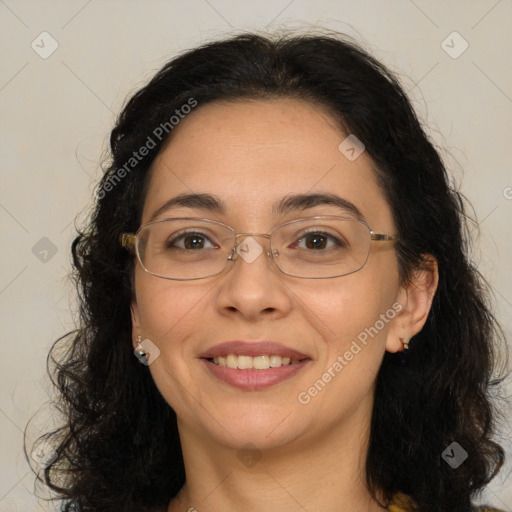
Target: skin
x,y
251,154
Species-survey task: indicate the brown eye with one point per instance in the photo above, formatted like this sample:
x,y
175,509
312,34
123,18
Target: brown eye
x,y
318,241
190,241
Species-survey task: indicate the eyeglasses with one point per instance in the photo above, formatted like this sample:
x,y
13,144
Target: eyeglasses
x,y
189,248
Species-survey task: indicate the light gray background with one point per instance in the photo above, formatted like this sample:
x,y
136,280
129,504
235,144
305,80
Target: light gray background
x,y
56,114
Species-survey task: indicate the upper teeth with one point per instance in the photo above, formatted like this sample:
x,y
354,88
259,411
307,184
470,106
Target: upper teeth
x,y
247,362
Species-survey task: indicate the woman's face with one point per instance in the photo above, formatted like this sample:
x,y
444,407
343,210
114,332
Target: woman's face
x,y
250,155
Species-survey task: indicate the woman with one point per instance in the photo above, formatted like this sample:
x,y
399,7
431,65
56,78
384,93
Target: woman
x,y
275,239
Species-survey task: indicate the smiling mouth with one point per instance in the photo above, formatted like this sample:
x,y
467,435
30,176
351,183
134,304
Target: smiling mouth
x,y
261,362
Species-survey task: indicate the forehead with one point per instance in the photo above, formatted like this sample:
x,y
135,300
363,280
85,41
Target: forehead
x,y
251,153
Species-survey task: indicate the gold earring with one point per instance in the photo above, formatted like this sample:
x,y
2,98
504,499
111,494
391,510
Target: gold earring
x,y
405,350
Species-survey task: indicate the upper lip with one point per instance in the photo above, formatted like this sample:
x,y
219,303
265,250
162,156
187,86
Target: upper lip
x,y
252,348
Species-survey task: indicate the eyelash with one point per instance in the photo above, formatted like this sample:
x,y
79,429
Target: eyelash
x,y
337,241
171,243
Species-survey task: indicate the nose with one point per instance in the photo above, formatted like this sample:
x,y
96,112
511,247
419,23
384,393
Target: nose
x,y
253,287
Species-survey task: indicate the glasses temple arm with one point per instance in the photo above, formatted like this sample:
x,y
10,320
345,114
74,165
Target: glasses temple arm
x,y
128,240
379,237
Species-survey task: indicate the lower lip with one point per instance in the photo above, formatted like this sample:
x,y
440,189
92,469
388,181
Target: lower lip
x,y
254,380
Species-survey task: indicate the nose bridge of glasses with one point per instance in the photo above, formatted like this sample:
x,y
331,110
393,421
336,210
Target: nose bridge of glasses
x,y
247,235
249,248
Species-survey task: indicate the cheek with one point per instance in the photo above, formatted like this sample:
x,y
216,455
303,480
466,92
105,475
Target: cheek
x,y
170,314
349,305
168,310
353,317
353,314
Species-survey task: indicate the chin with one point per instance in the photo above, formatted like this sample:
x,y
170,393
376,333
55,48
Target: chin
x,y
265,428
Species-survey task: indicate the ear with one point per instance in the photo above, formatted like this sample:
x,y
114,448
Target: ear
x,y
416,298
134,309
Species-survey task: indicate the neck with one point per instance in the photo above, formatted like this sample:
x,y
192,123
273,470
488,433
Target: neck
x,y
322,473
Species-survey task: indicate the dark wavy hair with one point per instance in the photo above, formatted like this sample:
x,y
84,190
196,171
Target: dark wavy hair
x,y
119,448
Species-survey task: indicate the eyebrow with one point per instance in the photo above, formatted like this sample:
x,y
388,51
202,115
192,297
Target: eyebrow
x,y
287,204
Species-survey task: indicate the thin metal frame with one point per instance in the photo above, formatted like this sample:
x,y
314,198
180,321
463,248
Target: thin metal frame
x,y
129,241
